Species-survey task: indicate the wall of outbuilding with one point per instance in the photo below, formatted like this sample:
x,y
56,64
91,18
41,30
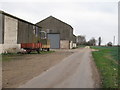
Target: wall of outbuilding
x,y
64,44
74,38
74,41
74,45
71,44
54,40
53,25
16,31
22,32
10,30
1,28
10,35
27,33
1,32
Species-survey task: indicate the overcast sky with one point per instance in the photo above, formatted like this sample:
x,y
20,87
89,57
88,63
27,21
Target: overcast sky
x,y
92,18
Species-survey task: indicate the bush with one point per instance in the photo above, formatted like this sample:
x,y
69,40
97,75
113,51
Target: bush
x,y
109,44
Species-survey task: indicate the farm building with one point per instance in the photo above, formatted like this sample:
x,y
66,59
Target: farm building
x,y
14,31
59,33
74,41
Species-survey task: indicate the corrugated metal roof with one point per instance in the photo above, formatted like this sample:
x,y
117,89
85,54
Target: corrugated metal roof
x,y
56,19
18,18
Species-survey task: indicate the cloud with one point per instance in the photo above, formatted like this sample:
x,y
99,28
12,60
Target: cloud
x,y
58,1
92,19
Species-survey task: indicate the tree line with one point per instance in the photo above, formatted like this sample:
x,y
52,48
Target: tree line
x,y
81,40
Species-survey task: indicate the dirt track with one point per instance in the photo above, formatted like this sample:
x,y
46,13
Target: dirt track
x,y
75,71
61,69
21,70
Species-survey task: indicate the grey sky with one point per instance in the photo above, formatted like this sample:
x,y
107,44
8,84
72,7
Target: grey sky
x,y
92,19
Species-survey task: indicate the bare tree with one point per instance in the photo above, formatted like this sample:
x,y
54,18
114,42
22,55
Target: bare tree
x,y
81,40
109,44
92,42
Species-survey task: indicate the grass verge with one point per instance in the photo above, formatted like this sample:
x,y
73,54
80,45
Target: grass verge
x,y
106,60
80,46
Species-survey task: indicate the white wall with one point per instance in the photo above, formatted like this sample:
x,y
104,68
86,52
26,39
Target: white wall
x,y
10,30
66,44
71,44
74,45
10,35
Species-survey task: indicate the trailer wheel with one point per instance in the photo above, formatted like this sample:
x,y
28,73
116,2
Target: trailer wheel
x,y
28,51
48,49
38,51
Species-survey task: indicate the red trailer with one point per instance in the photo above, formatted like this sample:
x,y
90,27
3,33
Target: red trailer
x,y
31,47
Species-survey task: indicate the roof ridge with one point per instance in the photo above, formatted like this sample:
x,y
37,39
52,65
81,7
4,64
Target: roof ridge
x,y
17,17
56,19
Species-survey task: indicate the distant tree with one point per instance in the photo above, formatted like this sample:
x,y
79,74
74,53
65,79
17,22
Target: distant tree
x,y
109,44
81,40
99,41
92,42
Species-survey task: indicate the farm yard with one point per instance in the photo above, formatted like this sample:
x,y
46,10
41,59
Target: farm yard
x,y
57,51
19,68
18,37
106,59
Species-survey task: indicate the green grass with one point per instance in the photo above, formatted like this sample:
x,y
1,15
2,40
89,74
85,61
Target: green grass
x,y
106,60
14,56
0,58
42,52
9,57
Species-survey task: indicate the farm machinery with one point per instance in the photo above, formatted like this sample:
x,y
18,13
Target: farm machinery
x,y
43,44
38,44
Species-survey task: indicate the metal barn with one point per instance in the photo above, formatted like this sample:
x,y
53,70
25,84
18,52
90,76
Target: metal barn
x,y
14,31
53,25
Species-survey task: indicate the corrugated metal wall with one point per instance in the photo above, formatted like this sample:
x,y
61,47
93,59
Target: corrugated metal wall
x,y
14,31
30,33
1,28
54,40
22,32
27,33
53,25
